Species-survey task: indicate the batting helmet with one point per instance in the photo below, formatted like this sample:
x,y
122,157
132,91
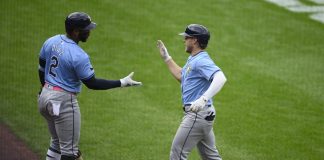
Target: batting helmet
x,y
79,20
198,31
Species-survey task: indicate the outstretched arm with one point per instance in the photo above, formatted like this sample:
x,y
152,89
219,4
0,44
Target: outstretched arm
x,y
102,84
173,66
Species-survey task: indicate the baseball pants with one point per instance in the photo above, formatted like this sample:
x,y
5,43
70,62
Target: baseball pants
x,y
196,129
62,113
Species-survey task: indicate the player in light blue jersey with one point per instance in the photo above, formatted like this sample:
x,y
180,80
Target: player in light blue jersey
x,y
200,80
63,67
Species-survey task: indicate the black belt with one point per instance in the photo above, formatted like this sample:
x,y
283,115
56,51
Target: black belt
x,y
188,105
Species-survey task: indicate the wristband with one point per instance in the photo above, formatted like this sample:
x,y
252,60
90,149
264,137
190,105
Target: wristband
x,y
167,58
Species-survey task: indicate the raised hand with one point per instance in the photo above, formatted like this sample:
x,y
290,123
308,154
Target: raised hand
x,y
163,51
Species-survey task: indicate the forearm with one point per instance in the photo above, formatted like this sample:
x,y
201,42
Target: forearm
x,y
41,75
101,84
41,71
174,69
216,85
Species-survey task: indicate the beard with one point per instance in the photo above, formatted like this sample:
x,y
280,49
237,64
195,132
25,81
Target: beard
x,y
83,36
83,39
189,49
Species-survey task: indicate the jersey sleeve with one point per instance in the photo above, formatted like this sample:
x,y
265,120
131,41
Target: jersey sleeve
x,y
83,68
207,68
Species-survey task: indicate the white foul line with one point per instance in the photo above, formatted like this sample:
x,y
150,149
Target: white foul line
x,y
316,11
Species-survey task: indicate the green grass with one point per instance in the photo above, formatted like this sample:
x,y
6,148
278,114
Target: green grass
x,y
270,108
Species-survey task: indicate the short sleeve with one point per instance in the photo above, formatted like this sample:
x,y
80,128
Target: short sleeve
x,y
83,68
207,68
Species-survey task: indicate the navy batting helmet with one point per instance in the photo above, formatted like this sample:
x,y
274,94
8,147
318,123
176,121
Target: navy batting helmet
x,y
198,31
79,20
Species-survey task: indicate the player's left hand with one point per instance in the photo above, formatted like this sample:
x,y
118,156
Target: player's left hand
x,y
198,105
128,81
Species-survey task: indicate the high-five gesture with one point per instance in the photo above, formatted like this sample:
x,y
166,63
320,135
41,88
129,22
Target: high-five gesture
x,y
163,51
128,81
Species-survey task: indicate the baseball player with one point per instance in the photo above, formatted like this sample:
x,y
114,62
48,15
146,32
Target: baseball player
x,y
63,67
200,80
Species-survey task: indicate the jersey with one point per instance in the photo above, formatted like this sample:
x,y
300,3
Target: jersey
x,y
196,77
66,63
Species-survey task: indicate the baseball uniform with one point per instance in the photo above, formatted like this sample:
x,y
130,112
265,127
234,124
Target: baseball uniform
x,y
196,129
66,65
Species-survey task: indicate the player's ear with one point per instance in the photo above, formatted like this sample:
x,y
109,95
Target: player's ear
x,y
195,40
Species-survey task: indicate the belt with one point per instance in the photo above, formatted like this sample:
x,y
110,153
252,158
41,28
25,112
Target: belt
x,y
57,88
188,105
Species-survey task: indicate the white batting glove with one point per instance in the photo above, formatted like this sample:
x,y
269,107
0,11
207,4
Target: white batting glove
x,y
127,81
163,51
198,105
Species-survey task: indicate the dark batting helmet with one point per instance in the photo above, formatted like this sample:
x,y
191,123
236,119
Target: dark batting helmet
x,y
78,20
198,31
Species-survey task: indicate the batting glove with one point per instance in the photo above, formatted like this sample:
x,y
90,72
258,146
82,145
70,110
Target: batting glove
x,y
198,105
163,51
127,81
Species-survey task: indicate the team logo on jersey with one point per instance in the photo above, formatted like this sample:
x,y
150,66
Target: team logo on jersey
x,y
188,69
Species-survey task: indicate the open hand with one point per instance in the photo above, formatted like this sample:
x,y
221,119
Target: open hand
x,y
128,81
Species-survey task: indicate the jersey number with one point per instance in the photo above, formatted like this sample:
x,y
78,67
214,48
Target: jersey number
x,y
54,64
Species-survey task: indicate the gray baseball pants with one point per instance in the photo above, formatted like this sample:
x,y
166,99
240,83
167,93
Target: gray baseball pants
x,y
62,113
196,129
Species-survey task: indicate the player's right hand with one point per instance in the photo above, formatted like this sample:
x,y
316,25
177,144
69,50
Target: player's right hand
x,y
128,81
198,105
163,51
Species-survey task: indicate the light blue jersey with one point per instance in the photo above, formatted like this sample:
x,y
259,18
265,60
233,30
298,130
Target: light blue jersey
x,y
66,63
196,77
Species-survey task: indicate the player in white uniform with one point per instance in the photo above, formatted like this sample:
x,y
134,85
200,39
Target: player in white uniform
x,y
200,80
63,67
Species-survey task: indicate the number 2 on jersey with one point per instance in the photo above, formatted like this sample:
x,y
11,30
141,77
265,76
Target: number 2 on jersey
x,y
54,64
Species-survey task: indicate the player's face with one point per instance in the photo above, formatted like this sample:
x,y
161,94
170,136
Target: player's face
x,y
189,44
83,35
